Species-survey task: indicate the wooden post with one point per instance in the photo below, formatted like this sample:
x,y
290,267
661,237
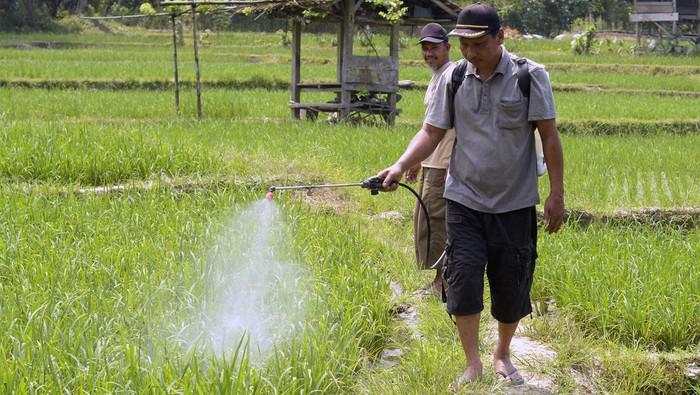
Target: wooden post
x,y
177,79
197,84
348,33
296,66
394,55
637,28
675,23
339,65
339,70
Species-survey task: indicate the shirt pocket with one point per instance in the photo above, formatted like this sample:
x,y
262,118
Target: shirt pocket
x,y
512,114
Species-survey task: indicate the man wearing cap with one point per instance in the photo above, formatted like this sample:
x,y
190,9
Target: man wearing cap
x,y
436,53
491,186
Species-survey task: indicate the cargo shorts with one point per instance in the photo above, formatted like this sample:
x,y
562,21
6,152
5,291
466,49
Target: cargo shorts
x,y
502,245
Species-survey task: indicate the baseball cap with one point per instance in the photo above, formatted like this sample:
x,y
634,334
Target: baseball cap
x,y
433,33
476,20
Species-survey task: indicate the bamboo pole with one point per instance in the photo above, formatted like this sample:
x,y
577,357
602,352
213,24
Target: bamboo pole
x,y
348,32
394,55
198,84
100,18
177,78
296,66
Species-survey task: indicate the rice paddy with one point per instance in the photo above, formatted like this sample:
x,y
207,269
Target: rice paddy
x,y
95,283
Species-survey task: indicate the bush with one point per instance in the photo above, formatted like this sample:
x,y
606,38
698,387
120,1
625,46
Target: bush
x,y
25,15
545,17
70,23
585,43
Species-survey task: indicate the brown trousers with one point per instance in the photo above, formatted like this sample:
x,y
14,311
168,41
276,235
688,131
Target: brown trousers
x,y
432,187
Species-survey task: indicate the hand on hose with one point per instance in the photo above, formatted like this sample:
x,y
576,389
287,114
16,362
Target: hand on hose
x,y
554,212
412,173
391,175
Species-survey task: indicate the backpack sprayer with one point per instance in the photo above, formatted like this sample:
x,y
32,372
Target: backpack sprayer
x,y
374,184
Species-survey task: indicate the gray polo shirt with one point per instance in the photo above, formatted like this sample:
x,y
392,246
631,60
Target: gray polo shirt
x,y
493,167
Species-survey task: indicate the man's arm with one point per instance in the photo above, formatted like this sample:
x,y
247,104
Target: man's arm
x,y
421,146
554,157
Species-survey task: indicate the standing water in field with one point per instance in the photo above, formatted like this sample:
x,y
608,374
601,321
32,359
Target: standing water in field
x,y
252,290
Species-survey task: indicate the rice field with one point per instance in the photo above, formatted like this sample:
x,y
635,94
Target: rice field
x,y
96,286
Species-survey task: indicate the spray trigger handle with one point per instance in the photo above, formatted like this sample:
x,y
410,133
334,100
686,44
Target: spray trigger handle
x,y
374,184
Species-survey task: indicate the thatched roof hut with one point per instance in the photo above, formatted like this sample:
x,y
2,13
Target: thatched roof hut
x,y
366,85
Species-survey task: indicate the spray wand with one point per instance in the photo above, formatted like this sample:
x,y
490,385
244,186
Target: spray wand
x,y
374,184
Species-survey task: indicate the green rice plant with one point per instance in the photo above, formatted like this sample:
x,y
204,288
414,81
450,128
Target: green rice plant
x,y
607,173
634,285
233,56
123,269
614,108
603,173
685,83
97,155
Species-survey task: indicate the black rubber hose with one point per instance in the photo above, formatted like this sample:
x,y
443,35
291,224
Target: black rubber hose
x,y
427,218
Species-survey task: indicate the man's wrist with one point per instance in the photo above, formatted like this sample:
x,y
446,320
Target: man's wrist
x,y
559,193
401,166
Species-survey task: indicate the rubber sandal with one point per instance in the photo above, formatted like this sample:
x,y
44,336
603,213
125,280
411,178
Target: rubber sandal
x,y
513,378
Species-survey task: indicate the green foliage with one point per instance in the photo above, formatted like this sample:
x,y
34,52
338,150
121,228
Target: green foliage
x,y
674,46
585,42
25,15
311,15
393,10
147,9
549,17
283,34
546,17
70,24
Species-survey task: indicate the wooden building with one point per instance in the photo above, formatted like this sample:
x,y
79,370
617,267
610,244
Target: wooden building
x,y
365,85
667,15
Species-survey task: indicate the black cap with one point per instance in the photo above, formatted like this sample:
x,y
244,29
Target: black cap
x,y
476,20
433,33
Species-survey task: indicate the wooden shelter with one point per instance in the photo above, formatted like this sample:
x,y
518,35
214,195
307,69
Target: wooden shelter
x,y
365,85
663,13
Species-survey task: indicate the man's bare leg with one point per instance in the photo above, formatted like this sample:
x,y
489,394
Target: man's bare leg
x,y
468,329
437,282
501,355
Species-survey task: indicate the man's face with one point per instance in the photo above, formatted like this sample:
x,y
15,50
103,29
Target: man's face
x,y
483,51
435,54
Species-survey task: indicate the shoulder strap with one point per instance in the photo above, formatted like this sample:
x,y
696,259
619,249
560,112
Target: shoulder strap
x,y
456,81
523,76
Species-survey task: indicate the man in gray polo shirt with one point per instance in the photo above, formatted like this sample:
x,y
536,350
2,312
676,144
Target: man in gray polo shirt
x,y
491,187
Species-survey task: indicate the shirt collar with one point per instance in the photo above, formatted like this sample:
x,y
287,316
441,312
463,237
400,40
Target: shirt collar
x,y
441,69
503,64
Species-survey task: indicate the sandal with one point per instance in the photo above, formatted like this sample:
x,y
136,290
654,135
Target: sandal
x,y
513,378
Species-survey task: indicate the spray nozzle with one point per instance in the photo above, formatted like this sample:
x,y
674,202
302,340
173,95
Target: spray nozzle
x,y
374,184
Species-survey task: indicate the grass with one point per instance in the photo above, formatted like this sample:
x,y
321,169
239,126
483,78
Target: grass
x,y
572,107
634,285
123,270
602,173
233,56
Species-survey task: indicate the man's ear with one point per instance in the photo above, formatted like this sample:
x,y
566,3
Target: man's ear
x,y
500,36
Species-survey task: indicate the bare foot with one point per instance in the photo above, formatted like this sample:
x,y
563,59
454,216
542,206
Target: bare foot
x,y
506,370
472,374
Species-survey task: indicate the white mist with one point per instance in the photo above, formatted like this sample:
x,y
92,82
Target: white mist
x,y
252,287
